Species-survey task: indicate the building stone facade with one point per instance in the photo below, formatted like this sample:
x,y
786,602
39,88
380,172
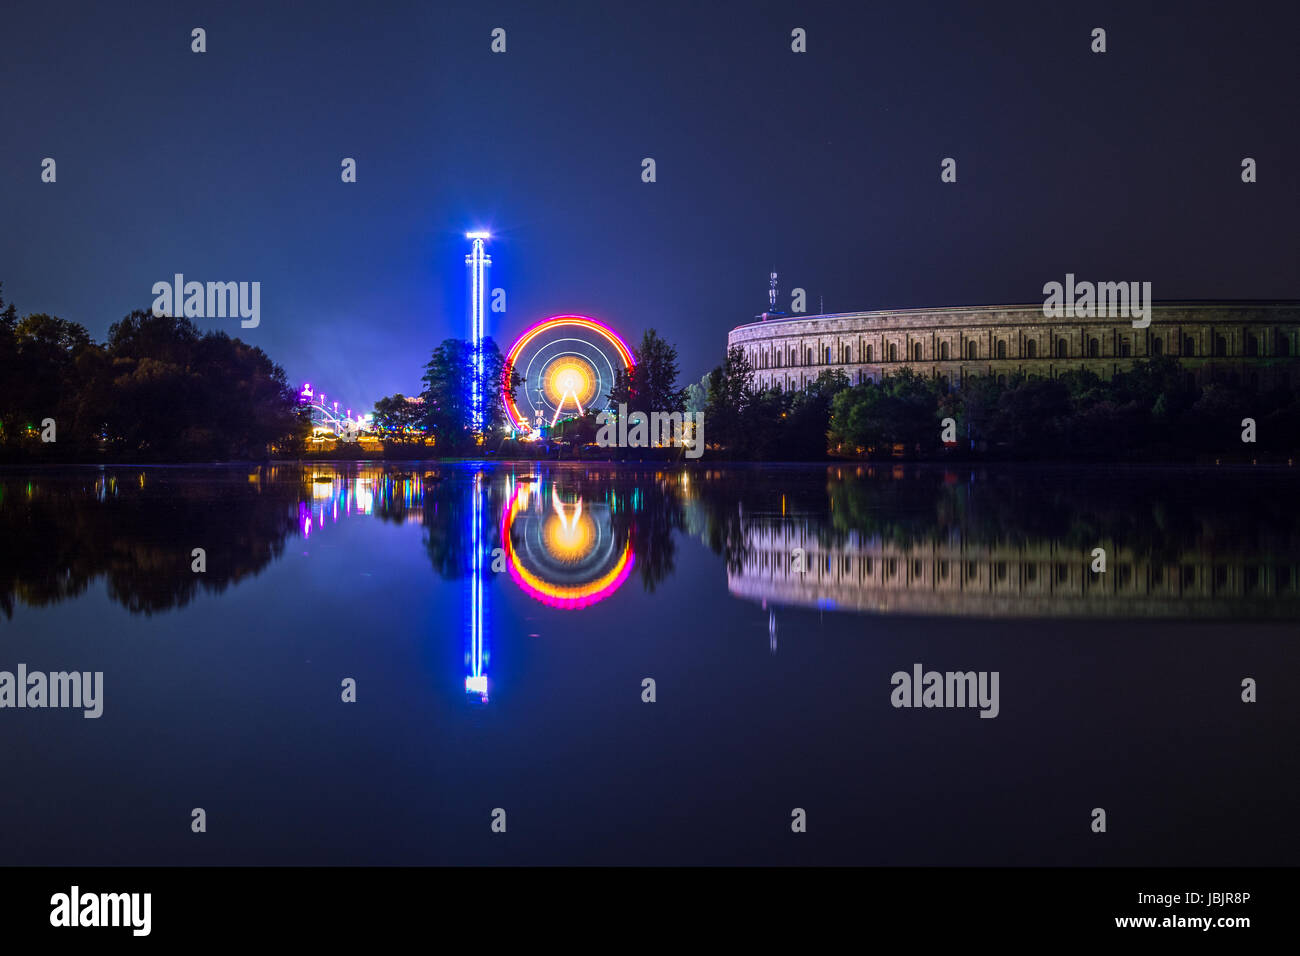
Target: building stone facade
x,y
1252,344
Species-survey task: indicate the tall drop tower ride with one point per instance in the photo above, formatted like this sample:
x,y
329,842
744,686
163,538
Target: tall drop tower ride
x,y
479,263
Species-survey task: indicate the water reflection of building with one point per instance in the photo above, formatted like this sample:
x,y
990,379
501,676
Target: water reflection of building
x,y
996,580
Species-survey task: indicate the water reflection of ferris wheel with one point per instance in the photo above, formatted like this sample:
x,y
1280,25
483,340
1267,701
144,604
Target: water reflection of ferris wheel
x,y
562,550
568,365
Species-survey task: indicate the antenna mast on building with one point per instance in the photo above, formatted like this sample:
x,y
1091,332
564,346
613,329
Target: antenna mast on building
x,y
772,293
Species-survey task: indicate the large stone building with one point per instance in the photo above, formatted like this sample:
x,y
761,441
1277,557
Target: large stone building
x,y
1254,344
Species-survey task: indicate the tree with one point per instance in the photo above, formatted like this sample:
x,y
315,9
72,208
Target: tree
x,y
398,417
853,420
902,410
41,353
729,396
1030,415
449,380
766,425
696,395
807,422
650,385
580,430
171,391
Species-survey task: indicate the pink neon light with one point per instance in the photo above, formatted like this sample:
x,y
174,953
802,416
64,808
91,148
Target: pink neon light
x,y
628,561
554,321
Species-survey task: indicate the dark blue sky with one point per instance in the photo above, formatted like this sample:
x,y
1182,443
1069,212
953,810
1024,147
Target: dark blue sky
x,y
225,166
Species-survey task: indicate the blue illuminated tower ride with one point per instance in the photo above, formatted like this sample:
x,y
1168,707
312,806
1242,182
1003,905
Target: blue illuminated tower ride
x,y
479,263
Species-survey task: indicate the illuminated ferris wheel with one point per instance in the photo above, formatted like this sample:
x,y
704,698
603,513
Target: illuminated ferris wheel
x,y
567,364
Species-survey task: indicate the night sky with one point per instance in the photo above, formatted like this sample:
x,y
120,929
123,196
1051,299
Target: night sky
x,y
225,166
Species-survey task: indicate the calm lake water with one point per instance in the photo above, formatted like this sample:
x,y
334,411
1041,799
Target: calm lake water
x,y
499,620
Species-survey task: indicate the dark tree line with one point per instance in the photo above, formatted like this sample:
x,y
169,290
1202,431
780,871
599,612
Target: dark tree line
x,y
157,389
62,534
1155,411
765,424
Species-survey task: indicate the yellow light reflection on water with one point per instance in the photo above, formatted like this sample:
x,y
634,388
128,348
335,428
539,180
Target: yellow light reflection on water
x,y
569,535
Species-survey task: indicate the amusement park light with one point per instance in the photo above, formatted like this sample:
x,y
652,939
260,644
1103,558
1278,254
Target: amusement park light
x,y
570,536
478,235
520,421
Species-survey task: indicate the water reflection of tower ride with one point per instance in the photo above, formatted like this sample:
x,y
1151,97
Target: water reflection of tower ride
x,y
561,549
476,652
567,364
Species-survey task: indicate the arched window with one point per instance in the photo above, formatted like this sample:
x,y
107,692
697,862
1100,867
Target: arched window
x,y
1157,346
828,355
1094,348
943,351
1220,345
871,352
1124,348
1062,348
1252,346
916,351
1002,349
808,357
1189,345
1031,349
1283,345
972,350
893,352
